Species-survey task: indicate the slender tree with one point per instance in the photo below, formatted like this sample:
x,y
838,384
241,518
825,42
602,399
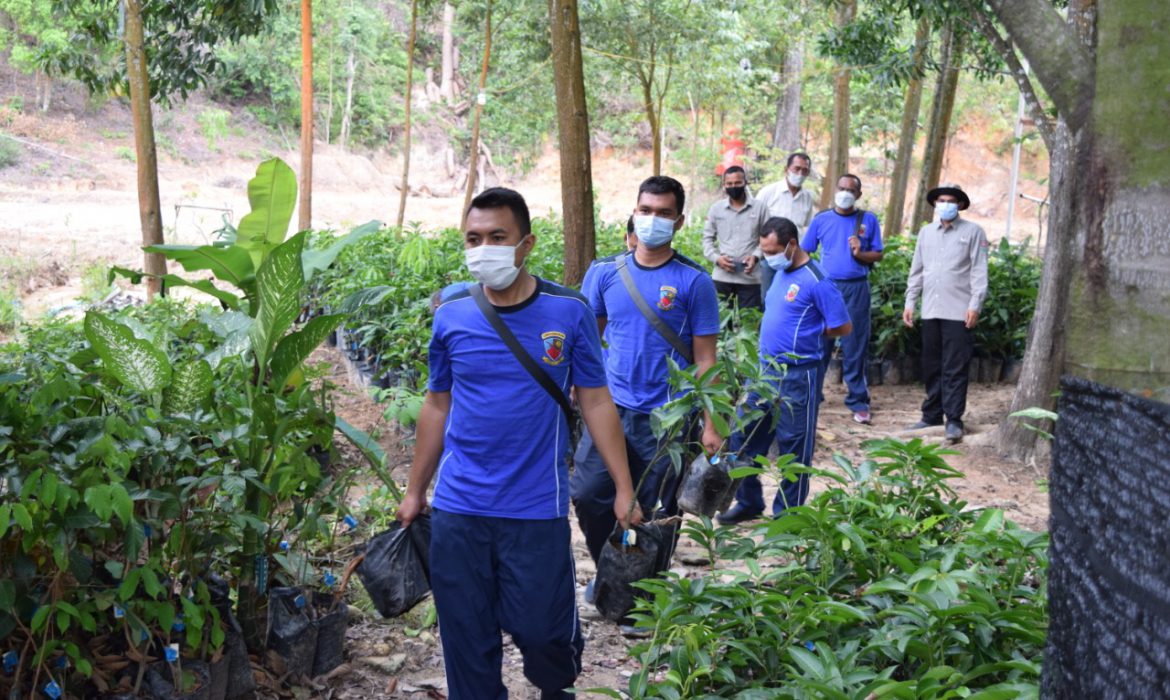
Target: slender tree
x,y
447,59
837,163
786,135
573,129
404,188
908,133
305,215
938,130
149,207
481,97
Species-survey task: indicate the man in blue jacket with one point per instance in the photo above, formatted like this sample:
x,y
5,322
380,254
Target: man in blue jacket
x,y
802,310
679,292
850,240
500,556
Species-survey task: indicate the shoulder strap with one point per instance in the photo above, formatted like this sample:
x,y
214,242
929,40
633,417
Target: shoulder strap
x,y
857,223
657,323
546,382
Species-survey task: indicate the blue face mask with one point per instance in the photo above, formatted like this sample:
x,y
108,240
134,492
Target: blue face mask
x,y
778,262
653,231
947,211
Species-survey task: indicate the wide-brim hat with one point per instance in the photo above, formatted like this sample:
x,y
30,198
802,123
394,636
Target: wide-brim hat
x,y
955,190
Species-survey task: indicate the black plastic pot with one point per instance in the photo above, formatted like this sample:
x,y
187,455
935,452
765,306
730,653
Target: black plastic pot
x,y
396,569
160,682
704,486
892,371
331,623
1011,370
973,369
833,373
238,667
620,565
291,632
220,675
990,369
873,375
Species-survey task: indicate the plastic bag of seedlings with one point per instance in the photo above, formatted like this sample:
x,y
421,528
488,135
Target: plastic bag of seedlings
x,y
291,629
705,485
332,621
629,556
160,681
396,568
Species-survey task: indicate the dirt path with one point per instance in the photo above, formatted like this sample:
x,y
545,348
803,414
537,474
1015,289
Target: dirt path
x,y
383,657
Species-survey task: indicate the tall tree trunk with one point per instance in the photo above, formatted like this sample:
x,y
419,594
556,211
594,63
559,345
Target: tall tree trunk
x,y
786,135
305,218
447,68
481,98
908,134
404,188
940,123
149,207
573,129
652,120
838,161
347,111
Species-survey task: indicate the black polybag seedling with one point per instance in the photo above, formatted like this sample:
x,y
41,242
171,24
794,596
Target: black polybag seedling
x,y
291,630
620,565
332,621
705,485
396,569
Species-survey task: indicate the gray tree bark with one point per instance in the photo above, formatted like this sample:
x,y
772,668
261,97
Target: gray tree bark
x,y
447,68
786,135
146,154
900,180
940,123
837,163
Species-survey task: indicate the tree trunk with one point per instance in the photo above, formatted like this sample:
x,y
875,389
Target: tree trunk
x,y
900,180
447,70
404,188
149,207
481,98
940,123
305,218
837,163
331,32
347,111
573,129
786,135
652,120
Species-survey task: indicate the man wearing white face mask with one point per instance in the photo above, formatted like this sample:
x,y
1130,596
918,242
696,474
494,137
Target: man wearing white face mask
x,y
494,427
949,273
851,242
680,297
788,199
803,308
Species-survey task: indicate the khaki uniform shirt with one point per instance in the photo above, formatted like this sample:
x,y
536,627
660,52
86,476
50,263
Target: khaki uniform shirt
x,y
735,234
949,271
797,208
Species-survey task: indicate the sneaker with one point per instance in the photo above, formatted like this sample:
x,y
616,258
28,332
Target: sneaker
x,y
738,513
954,432
862,417
591,592
923,425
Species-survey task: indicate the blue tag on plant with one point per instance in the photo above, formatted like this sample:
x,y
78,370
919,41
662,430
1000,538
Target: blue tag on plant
x,y
172,653
53,690
330,579
10,661
299,601
350,521
119,612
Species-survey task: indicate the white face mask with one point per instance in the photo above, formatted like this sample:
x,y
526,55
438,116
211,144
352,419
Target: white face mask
x,y
795,180
493,265
844,199
947,211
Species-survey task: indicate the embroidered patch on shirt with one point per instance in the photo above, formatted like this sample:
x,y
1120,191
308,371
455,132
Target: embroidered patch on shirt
x,y
793,290
666,295
554,347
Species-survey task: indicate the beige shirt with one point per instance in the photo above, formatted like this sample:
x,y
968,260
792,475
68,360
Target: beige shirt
x,y
949,271
735,233
797,208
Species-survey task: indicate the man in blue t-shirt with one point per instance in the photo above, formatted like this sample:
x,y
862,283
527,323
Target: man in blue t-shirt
x,y
500,556
678,291
802,309
851,242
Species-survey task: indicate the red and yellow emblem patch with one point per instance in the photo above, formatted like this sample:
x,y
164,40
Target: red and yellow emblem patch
x,y
793,290
666,295
554,347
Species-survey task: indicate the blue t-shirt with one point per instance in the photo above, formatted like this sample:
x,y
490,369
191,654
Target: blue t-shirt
x,y
680,292
832,231
801,304
505,441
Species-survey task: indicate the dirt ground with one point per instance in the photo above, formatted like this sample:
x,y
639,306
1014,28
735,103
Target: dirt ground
x,y
383,660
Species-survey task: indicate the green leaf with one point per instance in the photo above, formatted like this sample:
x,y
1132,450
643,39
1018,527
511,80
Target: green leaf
x,y
363,297
372,451
21,516
5,516
99,500
122,504
279,285
136,363
232,301
190,387
7,595
39,617
228,263
808,663
295,347
991,520
1036,413
315,261
272,194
